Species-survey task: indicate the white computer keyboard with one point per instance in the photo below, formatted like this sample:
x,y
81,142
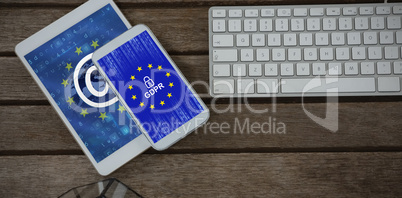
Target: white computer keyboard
x,y
305,50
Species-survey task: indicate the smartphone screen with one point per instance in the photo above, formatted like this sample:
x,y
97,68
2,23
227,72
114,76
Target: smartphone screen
x,y
150,86
64,66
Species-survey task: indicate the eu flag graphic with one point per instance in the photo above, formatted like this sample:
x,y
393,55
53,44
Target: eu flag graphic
x,y
150,86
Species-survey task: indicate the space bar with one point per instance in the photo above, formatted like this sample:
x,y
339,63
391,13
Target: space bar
x,y
325,85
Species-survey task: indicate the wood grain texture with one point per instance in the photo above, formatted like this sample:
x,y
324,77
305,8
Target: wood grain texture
x,y
25,128
215,175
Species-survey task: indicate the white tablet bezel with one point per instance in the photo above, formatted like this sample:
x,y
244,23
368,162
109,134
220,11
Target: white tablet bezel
x,y
125,153
180,132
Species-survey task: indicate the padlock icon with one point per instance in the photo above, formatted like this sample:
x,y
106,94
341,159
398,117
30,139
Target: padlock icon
x,y
148,82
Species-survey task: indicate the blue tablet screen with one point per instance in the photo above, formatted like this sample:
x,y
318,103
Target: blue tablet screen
x,y
150,86
64,66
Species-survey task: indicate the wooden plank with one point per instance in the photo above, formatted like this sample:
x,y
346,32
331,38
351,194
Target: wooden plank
x,y
38,128
18,85
215,175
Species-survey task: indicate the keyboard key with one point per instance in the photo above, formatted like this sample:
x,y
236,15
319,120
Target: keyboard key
x,y
350,11
310,54
391,53
399,37
222,40
271,69
302,69
250,25
333,11
287,69
334,69
218,26
267,12
358,53
321,39
218,13
366,11
326,85
289,39
367,68
394,23
353,38
326,54
300,12
278,54
351,68
306,39
265,86
245,86
389,84
316,11
235,13
247,55
361,23
319,69
266,25
242,40
227,55
397,9
234,25
262,54
294,54
345,24
370,38
397,67
221,70
383,10
254,70
338,38
313,24
342,53
258,40
383,68
239,69
297,25
375,53
274,40
284,12
386,38
224,86
282,25
377,23
329,24
251,13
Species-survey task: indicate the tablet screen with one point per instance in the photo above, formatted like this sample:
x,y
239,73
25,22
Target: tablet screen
x,y
64,66
150,86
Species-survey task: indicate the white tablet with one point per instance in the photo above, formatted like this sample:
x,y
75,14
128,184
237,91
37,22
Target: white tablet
x,y
59,59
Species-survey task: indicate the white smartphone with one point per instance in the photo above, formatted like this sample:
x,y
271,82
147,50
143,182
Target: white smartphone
x,y
151,87
59,59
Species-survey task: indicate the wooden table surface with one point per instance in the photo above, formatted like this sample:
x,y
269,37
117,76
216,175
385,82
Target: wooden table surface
x,y
40,158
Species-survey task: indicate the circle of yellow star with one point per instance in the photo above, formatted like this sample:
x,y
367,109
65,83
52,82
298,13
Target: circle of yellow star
x,y
159,67
103,116
167,74
94,44
162,102
65,82
121,109
134,97
130,87
70,100
152,107
141,104
78,51
169,95
69,66
84,112
171,84
149,66
139,69
132,77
